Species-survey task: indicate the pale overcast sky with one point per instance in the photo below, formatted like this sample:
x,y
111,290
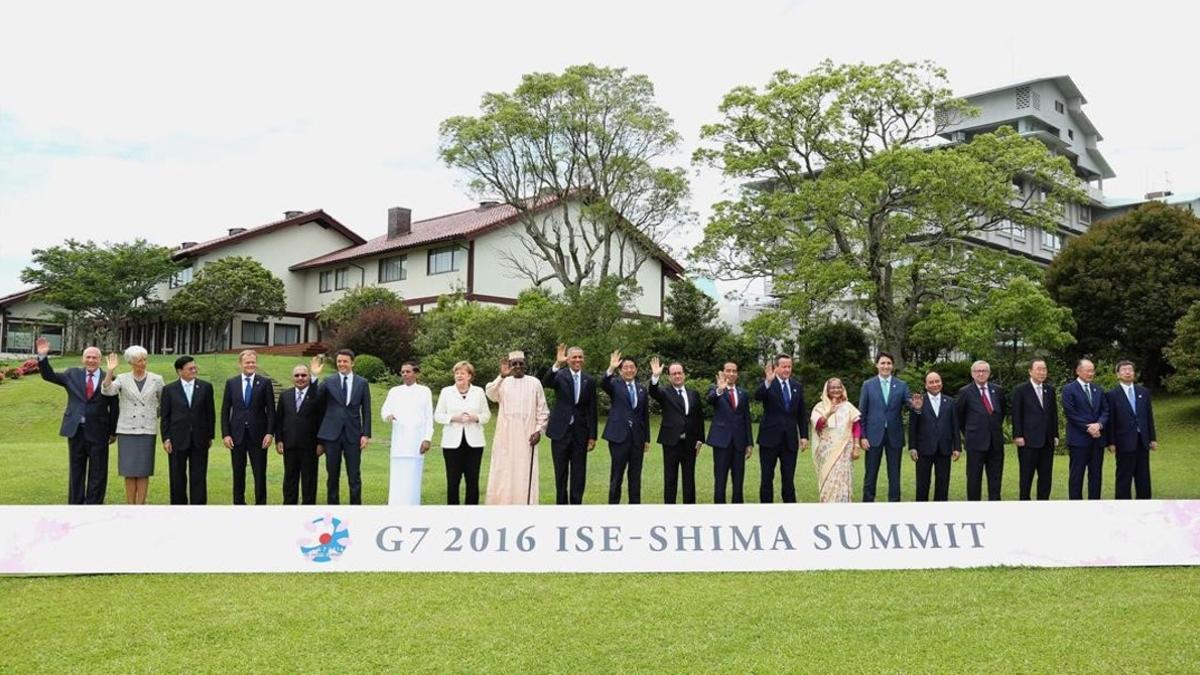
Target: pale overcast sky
x,y
174,122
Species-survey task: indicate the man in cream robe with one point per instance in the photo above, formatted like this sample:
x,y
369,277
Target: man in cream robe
x,y
513,474
409,407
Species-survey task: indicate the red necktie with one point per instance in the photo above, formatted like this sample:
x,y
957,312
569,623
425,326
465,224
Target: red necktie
x,y
987,402
90,388
732,399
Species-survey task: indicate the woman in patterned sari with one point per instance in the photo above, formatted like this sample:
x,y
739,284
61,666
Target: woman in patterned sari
x,y
837,430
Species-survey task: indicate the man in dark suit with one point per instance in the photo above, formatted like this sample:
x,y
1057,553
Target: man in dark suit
x,y
681,432
297,419
1131,432
189,419
783,429
89,423
729,435
881,404
979,407
247,418
1086,408
345,427
628,428
933,438
1035,430
572,425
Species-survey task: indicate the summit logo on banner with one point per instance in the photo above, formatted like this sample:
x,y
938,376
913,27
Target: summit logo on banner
x,y
641,538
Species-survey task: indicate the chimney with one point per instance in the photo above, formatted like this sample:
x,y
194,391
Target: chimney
x,y
236,230
288,215
488,203
187,244
399,222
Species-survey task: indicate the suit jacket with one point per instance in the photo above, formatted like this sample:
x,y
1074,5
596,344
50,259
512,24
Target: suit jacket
x,y
248,423
1079,413
297,429
676,426
1125,426
344,420
139,408
1036,422
782,425
188,426
931,434
564,403
882,420
980,430
626,424
730,427
97,416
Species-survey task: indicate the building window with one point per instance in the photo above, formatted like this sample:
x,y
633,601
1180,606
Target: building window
x,y
445,259
286,334
181,278
341,279
326,282
254,333
1023,97
1018,231
1071,134
1059,107
20,337
393,269
1037,101
1085,214
1052,242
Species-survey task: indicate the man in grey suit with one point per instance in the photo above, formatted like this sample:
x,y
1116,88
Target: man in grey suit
x,y
89,423
346,427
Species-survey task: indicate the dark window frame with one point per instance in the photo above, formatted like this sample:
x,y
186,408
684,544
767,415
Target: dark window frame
x,y
266,330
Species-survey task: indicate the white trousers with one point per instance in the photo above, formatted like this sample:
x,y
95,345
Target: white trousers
x,y
405,484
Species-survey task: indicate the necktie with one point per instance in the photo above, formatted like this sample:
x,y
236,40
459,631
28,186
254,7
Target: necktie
x,y
246,392
934,403
682,400
1132,404
346,389
299,399
632,396
1038,389
1087,389
575,376
91,386
886,385
787,394
187,390
733,398
987,402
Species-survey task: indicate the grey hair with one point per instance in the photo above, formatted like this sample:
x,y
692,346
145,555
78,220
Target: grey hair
x,y
135,352
983,363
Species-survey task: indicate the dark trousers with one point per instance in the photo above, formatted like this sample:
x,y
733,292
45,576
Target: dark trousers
x,y
1133,470
979,461
258,466
570,465
87,478
725,462
939,466
1039,461
767,457
335,451
625,455
189,475
875,457
299,475
1087,459
677,458
461,463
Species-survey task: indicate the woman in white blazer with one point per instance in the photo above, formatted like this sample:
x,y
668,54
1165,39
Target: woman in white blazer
x,y
463,409
137,423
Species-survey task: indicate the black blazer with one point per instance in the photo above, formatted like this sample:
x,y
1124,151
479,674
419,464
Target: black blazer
x,y
980,430
676,426
1125,427
782,426
188,427
730,428
98,416
297,429
564,403
342,421
931,434
1036,423
248,423
625,424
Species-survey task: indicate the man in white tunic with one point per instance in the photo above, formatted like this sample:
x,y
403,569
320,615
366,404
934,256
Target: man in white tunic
x,y
513,474
409,408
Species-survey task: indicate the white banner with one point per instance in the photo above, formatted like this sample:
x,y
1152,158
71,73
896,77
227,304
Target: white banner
x,y
646,538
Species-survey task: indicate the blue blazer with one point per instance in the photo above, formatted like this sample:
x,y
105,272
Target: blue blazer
x,y
782,426
248,423
626,424
730,428
1126,427
1079,414
882,421
345,421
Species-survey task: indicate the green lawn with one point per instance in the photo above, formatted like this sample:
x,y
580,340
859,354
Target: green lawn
x,y
993,620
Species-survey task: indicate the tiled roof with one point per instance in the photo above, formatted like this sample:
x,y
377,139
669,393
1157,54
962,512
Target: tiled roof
x,y
19,296
318,215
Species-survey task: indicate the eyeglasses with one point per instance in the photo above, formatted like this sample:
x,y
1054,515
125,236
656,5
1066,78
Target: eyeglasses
x,y
300,375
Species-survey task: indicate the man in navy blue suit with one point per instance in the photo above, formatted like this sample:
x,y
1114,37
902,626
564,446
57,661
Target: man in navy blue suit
x,y
980,407
572,425
247,420
1131,433
345,427
1086,408
881,403
933,439
1035,430
729,436
628,428
783,429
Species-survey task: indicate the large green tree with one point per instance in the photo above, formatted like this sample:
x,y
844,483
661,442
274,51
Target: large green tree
x,y
1128,280
591,138
225,287
1014,324
355,301
100,284
849,193
1184,353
